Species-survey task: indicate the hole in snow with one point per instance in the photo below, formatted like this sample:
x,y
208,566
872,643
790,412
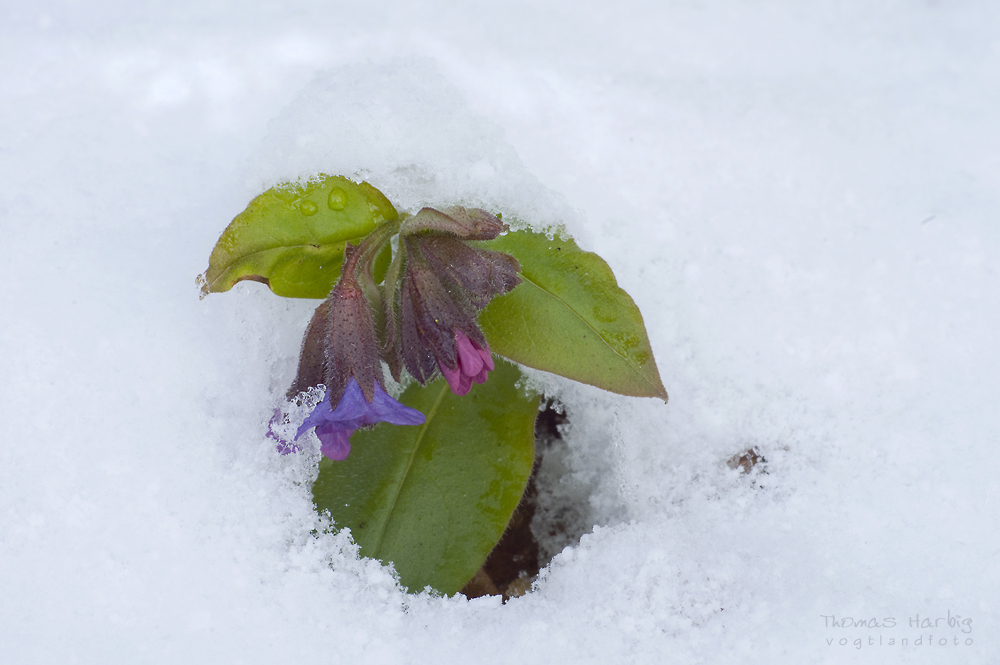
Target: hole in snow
x,y
554,513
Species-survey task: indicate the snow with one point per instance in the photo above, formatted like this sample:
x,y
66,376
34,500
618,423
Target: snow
x,y
801,198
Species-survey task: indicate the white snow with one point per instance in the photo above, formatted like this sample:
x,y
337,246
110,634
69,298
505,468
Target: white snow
x,y
801,197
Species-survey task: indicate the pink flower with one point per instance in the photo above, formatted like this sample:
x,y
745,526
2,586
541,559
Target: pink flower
x,y
472,364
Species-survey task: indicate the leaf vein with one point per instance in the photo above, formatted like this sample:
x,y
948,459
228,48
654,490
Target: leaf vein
x,y
244,257
409,463
596,332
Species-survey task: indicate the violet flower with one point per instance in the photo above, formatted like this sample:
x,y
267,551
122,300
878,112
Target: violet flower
x,y
473,362
334,427
341,350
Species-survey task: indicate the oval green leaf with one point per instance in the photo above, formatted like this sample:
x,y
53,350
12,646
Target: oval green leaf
x,y
569,316
435,499
292,237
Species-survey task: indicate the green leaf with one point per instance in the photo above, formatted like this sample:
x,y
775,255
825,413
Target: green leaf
x,y
435,499
568,316
292,237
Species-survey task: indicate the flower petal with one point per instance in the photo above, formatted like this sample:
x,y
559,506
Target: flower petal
x,y
321,414
384,409
487,357
453,377
352,405
335,426
469,360
335,442
472,364
479,378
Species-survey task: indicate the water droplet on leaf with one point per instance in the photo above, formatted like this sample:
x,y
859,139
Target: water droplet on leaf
x,y
307,207
337,199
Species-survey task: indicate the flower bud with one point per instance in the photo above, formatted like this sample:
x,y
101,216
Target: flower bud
x,y
351,349
472,364
439,283
465,223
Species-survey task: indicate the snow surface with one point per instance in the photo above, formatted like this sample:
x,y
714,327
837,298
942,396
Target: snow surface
x,y
801,197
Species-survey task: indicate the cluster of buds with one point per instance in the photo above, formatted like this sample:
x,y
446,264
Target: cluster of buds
x,y
421,319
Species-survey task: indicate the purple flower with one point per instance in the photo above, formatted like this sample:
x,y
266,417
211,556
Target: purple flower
x,y
473,362
335,426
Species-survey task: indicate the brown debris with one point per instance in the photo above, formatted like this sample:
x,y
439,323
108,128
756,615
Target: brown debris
x,y
746,460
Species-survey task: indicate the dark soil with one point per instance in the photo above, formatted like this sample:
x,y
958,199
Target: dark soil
x,y
514,563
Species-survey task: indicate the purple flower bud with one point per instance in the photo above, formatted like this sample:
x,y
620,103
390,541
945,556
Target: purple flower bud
x,y
434,291
473,362
432,307
481,273
351,348
312,357
334,427
466,223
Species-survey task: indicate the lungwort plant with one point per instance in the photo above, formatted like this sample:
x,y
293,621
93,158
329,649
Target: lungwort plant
x,y
428,481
